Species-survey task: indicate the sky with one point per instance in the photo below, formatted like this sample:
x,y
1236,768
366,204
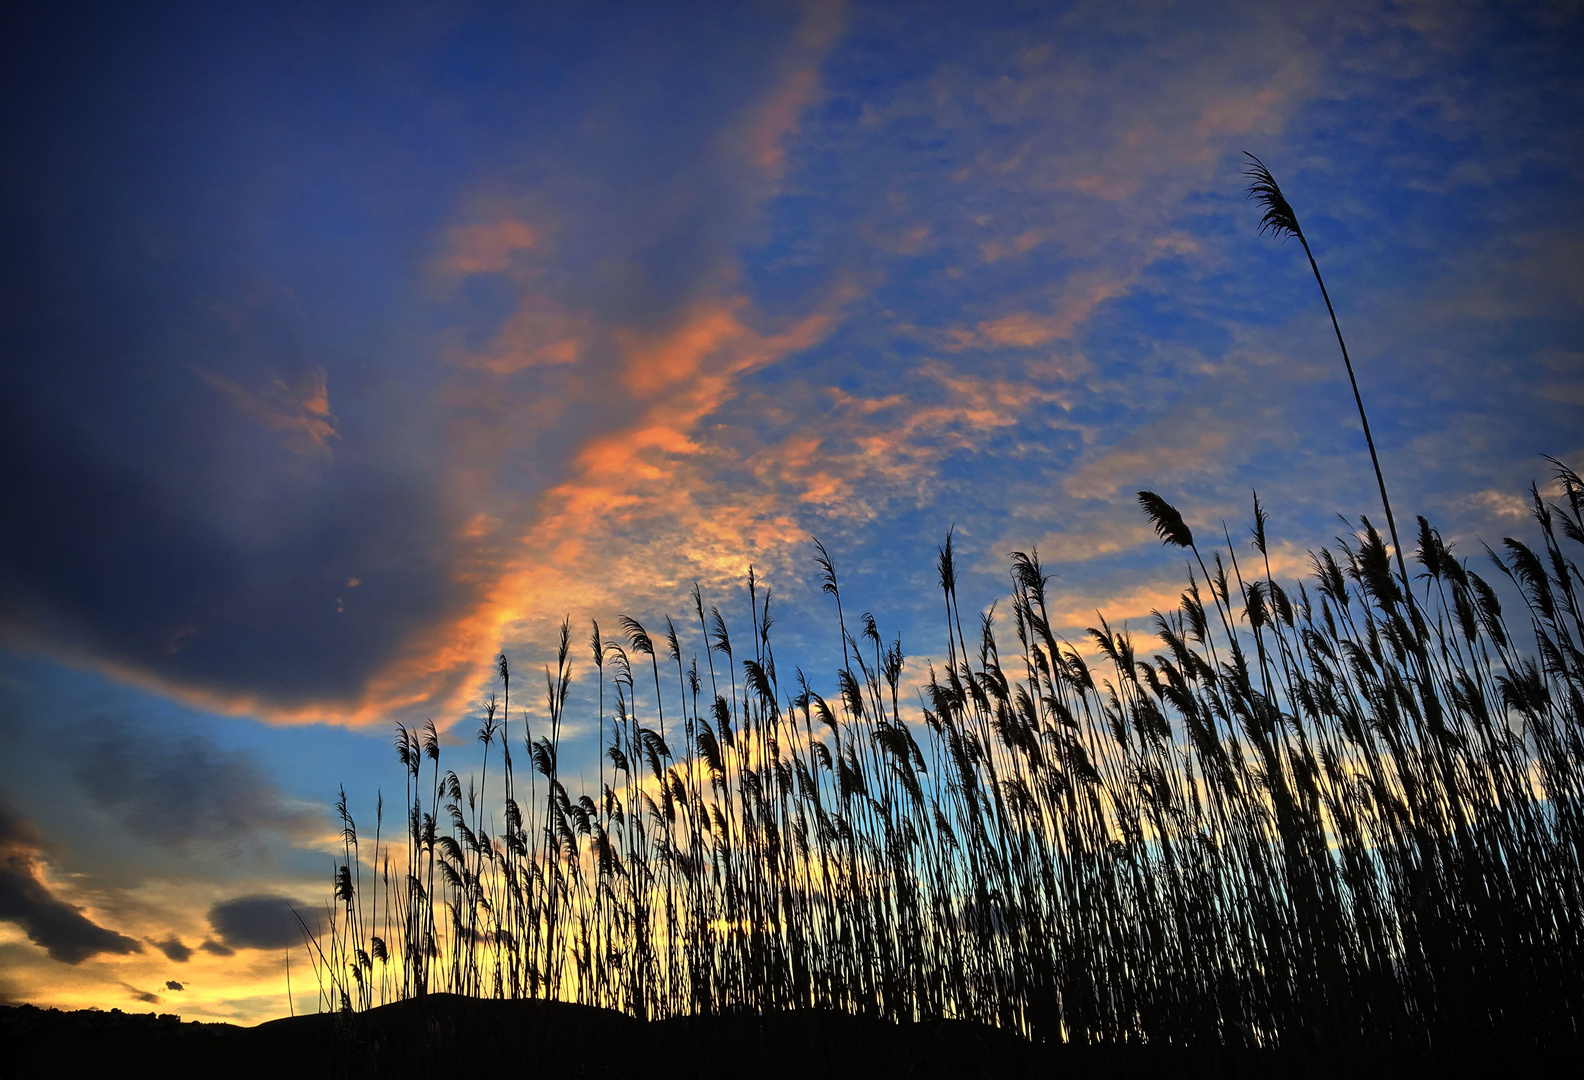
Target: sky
x,y
348,347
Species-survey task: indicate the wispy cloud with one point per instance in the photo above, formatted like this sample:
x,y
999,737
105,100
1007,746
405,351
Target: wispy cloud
x,y
486,247
183,793
1182,445
628,401
299,411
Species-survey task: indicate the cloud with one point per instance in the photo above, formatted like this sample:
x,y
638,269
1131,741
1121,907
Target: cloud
x,y
214,948
1077,302
777,115
141,995
1501,504
538,334
182,791
547,322
299,411
1091,537
173,949
640,481
858,454
261,921
1182,449
1519,276
172,984
611,384
220,592
928,264
56,926
486,247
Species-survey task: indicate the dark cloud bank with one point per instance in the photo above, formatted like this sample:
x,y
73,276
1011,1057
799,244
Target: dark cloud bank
x,y
161,525
262,921
59,928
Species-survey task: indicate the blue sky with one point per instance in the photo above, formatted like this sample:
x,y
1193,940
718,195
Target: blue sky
x,y
347,348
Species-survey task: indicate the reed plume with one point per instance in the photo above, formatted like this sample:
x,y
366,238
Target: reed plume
x,y
1280,220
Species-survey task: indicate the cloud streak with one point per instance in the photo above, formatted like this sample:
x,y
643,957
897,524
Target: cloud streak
x,y
299,412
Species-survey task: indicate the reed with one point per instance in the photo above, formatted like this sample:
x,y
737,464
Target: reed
x,y
1281,220
1342,811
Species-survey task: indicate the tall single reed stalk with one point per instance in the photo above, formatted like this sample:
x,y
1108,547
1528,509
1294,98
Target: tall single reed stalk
x,y
1292,814
1279,219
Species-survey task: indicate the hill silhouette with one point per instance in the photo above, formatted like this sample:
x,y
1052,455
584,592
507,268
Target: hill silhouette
x,y
446,1035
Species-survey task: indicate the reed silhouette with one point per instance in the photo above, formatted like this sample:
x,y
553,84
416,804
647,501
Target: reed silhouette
x,y
1296,814
1339,813
1279,219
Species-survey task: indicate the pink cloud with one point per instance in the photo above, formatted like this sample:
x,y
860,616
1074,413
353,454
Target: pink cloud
x,y
486,247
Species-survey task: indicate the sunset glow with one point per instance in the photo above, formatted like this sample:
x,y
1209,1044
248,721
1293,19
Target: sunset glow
x,y
346,352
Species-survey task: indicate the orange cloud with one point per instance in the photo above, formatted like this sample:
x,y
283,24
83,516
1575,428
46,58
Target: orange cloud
x,y
1149,459
1022,329
644,479
630,399
778,118
1263,109
1079,298
538,334
1072,615
640,472
680,355
859,452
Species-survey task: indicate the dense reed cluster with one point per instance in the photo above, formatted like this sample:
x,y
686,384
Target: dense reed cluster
x,y
1346,810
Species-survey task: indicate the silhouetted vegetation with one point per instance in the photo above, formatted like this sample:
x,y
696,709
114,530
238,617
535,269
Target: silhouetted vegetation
x,y
1281,220
1340,812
